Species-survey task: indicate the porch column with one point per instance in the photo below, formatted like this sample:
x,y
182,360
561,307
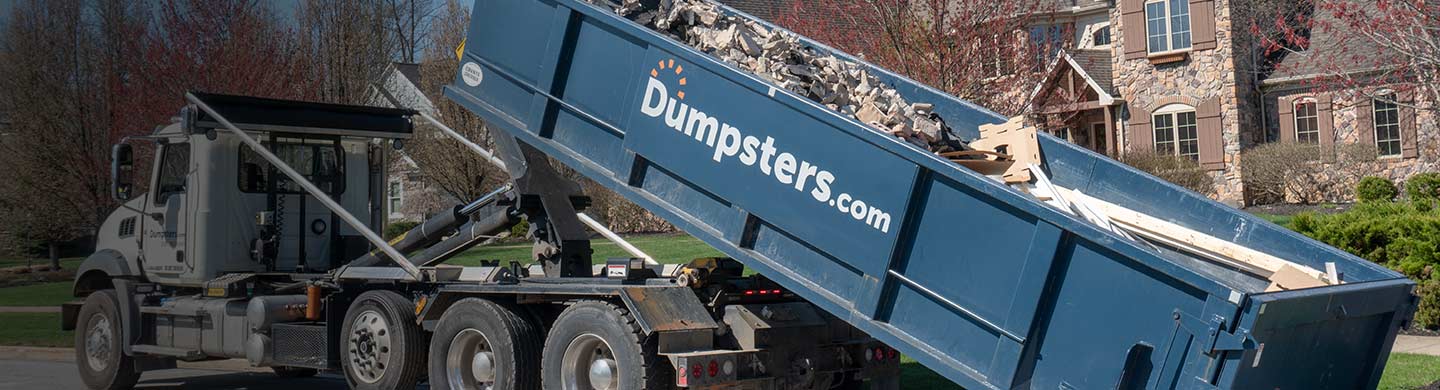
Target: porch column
x,y
1110,147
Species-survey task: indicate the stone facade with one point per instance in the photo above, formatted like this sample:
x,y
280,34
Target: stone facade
x,y
1348,128
1203,75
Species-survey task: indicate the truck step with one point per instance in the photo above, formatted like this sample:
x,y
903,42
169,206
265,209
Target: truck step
x,y
180,353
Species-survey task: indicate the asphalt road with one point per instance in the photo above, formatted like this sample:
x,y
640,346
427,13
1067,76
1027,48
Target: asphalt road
x,y
48,375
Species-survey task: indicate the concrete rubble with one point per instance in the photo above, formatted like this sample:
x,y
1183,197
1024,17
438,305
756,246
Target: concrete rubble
x,y
779,57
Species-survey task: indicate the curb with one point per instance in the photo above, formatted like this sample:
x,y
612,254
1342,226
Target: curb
x,y
29,309
67,355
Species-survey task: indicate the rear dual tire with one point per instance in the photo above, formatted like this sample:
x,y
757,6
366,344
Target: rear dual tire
x,y
597,345
480,344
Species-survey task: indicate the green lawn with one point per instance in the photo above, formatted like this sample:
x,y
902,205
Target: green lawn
x,y
1408,371
34,330
665,248
45,294
1282,220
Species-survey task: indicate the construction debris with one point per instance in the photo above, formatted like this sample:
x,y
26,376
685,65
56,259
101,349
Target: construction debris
x,y
779,57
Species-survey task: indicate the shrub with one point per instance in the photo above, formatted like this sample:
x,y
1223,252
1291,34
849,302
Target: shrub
x,y
1423,186
395,229
1305,173
1397,235
1374,188
1181,171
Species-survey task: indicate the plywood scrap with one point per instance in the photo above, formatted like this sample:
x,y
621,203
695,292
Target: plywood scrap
x,y
1015,140
1291,278
1191,241
985,162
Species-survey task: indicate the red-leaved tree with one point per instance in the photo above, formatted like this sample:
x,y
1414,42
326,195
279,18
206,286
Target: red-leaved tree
x,y
979,50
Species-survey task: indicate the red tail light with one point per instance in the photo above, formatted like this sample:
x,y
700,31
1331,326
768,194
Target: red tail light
x,y
714,368
696,370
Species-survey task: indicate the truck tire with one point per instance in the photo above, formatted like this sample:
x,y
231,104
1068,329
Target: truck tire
x,y
99,351
597,345
381,346
480,344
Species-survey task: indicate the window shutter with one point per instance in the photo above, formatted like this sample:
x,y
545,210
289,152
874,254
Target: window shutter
x,y
1364,120
1142,136
1212,135
1132,21
1323,109
1287,119
1202,24
1408,147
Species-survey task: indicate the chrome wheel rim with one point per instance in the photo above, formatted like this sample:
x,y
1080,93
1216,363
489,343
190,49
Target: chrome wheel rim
x,y
589,364
470,363
369,346
97,343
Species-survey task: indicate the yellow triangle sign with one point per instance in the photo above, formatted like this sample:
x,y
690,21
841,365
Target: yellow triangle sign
x,y
460,51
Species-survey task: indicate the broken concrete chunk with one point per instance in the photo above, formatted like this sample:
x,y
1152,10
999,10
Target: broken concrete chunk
x,y
869,113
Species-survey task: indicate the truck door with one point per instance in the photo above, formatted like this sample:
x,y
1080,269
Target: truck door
x,y
163,242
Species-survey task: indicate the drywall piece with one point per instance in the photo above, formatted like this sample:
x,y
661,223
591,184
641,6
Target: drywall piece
x,y
1188,240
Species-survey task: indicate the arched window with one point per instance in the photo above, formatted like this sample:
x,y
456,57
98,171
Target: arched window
x,y
1307,121
1387,124
1176,132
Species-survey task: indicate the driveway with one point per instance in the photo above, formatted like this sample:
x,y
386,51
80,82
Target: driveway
x,y
35,374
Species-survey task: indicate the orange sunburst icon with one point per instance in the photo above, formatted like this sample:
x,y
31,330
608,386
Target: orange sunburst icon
x,y
655,72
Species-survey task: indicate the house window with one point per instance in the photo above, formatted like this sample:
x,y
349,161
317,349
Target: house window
x,y
1176,132
1307,122
1101,36
1387,126
396,196
1168,25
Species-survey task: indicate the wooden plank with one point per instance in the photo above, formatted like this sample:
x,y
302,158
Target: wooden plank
x,y
1209,247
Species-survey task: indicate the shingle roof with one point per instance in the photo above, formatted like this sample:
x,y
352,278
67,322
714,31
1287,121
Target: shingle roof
x,y
1333,50
410,71
1096,63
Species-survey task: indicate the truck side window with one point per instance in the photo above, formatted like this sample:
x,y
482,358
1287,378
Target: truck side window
x,y
318,162
174,166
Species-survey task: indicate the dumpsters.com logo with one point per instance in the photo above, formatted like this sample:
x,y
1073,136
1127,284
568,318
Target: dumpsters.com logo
x,y
790,169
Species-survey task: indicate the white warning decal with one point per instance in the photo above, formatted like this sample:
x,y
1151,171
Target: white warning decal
x,y
472,74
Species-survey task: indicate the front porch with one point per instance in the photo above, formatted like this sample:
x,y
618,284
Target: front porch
x,y
1072,104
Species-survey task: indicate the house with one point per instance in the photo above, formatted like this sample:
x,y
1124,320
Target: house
x,y
407,196
1382,113
1181,78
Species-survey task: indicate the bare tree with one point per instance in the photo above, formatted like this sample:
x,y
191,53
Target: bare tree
x,y
445,162
52,185
348,43
408,21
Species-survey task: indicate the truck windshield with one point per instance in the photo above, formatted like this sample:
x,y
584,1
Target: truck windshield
x,y
317,160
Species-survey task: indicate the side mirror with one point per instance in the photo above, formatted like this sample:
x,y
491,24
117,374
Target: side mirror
x,y
122,166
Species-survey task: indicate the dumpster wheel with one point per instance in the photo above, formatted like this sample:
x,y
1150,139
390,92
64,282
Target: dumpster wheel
x,y
597,345
480,344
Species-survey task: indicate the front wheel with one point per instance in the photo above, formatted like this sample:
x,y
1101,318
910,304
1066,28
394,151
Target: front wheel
x,y
98,345
597,346
482,345
383,347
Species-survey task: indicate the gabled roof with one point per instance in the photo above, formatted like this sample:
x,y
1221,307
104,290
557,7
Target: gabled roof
x,y
1333,50
1090,65
410,71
